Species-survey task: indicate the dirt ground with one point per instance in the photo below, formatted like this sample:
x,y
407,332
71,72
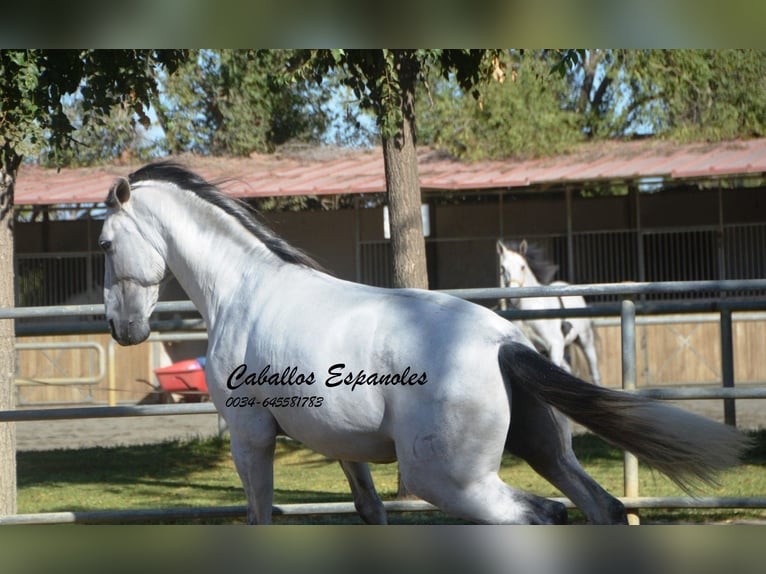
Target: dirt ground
x,y
67,434
120,431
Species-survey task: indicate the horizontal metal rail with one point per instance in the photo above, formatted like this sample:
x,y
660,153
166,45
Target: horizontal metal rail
x,y
106,412
332,508
79,310
596,312
680,318
111,516
627,288
624,289
603,310
70,413
100,327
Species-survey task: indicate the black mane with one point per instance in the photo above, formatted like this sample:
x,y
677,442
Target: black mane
x,y
184,178
543,269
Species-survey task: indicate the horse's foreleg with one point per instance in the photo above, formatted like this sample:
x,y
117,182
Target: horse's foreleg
x,y
590,353
556,354
366,499
587,342
254,461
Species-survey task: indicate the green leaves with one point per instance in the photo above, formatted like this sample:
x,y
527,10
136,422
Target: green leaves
x,y
240,101
567,61
557,98
384,81
38,85
518,115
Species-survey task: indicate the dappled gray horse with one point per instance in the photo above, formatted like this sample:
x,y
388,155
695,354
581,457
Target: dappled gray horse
x,y
523,266
360,373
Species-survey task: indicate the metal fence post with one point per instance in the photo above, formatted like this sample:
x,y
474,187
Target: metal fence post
x,y
727,366
628,330
111,374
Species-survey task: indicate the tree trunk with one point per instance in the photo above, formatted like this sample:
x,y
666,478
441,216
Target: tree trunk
x,y
407,242
7,339
403,187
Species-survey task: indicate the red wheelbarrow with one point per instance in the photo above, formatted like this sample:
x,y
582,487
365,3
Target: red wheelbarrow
x,y
185,379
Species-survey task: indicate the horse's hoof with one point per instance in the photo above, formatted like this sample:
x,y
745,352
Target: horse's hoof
x,y
560,515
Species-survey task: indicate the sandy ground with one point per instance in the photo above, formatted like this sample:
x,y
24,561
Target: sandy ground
x,y
63,434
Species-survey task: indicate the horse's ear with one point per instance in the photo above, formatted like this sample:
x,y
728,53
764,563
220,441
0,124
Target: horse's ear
x,y
119,194
523,248
500,247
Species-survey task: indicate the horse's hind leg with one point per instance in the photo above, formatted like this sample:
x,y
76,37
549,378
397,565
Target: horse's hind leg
x,y
366,499
541,436
454,466
482,499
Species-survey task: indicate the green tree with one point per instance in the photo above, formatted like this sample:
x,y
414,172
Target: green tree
x,y
34,86
683,95
101,137
233,102
690,95
522,116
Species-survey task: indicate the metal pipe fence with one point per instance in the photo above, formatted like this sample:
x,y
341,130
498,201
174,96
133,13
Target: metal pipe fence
x,y
627,311
91,379
334,508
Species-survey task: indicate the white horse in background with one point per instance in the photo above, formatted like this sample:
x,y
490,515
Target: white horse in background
x,y
363,374
525,267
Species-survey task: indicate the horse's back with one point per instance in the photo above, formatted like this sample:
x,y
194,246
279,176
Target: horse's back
x,y
385,361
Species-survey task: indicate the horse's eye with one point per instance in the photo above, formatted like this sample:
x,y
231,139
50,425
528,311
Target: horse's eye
x,y
105,244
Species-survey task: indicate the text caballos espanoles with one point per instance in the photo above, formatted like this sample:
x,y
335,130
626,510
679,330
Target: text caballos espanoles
x,y
337,376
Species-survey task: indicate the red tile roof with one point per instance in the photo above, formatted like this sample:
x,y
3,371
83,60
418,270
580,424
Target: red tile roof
x,y
338,171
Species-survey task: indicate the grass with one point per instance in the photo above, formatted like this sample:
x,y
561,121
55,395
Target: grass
x,y
200,473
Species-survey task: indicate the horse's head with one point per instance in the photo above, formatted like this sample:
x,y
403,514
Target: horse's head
x,y
522,267
134,266
513,265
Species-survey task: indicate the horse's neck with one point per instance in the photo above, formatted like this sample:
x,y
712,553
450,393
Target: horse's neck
x,y
211,255
530,280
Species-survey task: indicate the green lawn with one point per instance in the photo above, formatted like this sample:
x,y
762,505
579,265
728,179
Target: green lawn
x,y
201,473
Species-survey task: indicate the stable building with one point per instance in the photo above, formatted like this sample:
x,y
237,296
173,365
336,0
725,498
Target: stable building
x,y
620,211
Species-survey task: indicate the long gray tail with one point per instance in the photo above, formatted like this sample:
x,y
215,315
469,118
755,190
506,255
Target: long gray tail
x,y
688,448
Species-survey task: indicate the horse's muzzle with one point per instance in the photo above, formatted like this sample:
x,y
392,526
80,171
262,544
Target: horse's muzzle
x,y
128,333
